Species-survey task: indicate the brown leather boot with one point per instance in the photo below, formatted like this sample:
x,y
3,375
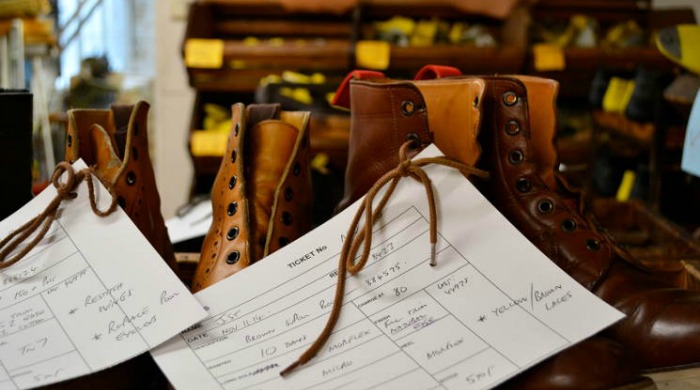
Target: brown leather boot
x,y
262,193
662,326
380,123
116,142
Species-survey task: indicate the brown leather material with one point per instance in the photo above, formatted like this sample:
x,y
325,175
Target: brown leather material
x,y
662,326
387,113
91,136
597,363
261,196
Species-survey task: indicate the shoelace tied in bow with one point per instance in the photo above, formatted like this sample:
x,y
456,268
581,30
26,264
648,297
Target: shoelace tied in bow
x,y
406,168
42,222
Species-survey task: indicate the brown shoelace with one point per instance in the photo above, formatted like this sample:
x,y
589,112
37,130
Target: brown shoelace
x,y
406,168
42,222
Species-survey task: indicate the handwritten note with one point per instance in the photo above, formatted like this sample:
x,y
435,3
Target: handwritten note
x,y
92,294
492,307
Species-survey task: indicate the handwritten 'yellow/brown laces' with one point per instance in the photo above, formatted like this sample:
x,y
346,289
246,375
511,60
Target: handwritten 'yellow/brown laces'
x,y
406,168
43,221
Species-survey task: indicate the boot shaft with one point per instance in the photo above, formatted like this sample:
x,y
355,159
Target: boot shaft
x,y
116,142
387,113
262,193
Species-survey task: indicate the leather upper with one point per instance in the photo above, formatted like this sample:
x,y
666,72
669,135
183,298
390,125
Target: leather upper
x,y
387,113
92,135
662,325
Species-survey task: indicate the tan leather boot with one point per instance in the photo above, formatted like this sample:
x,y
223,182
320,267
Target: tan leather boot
x,y
116,142
378,117
662,326
262,193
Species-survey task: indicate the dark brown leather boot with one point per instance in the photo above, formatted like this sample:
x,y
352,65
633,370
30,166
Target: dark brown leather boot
x,y
116,142
662,326
380,123
262,193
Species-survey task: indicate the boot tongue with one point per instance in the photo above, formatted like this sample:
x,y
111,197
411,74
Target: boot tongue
x,y
542,96
270,146
122,115
454,116
259,112
107,163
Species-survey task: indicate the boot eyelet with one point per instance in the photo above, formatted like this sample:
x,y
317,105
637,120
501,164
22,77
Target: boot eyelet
x,y
512,127
233,257
523,185
286,218
297,169
568,225
135,154
288,194
121,202
510,98
515,157
283,241
414,139
130,178
476,102
232,208
69,140
592,244
233,156
407,108
232,182
232,233
545,206
236,128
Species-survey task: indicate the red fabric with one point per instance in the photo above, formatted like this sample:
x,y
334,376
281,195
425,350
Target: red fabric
x,y
430,72
342,94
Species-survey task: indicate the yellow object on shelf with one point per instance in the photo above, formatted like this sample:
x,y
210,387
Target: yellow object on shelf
x,y
204,53
681,44
625,189
618,95
208,143
373,54
548,57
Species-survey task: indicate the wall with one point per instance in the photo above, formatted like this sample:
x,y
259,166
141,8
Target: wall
x,y
172,108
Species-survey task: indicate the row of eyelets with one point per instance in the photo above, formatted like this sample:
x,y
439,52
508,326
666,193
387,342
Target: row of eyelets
x,y
523,185
232,208
568,225
593,244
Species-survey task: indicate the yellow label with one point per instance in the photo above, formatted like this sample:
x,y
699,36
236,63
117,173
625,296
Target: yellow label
x,y
625,189
208,143
204,53
548,57
618,95
373,54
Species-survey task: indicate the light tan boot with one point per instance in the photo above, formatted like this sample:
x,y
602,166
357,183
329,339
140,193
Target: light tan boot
x,y
262,193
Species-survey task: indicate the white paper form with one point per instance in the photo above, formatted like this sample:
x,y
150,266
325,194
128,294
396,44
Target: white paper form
x,y
492,307
92,294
